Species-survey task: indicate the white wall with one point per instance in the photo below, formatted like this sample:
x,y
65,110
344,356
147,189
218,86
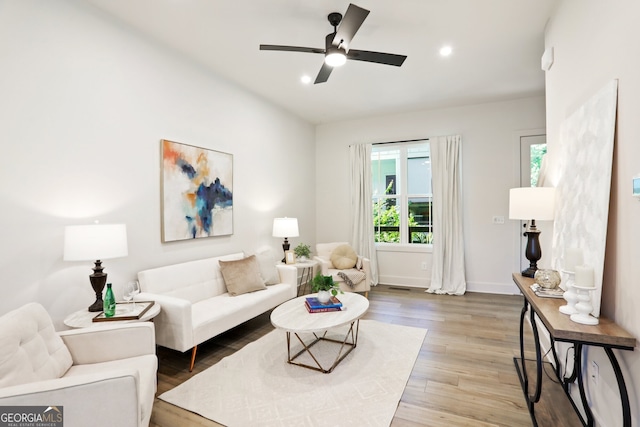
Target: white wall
x,y
490,166
592,43
84,104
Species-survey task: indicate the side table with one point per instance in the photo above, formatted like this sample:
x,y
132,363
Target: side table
x,y
305,275
84,318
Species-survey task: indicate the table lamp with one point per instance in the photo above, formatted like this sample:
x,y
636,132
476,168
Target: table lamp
x,y
95,242
285,227
532,203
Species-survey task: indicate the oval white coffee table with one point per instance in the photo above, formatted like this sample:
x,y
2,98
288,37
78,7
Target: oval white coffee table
x,y
293,317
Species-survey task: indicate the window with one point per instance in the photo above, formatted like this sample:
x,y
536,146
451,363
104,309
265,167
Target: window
x,y
537,152
401,177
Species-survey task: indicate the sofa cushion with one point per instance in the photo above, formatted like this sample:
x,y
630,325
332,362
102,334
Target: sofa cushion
x,y
30,349
268,270
343,257
216,315
192,280
242,276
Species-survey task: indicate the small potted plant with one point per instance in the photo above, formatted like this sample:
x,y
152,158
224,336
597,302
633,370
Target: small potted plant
x,y
302,251
325,287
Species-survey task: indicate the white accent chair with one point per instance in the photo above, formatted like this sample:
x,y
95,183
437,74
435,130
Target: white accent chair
x,y
101,376
323,256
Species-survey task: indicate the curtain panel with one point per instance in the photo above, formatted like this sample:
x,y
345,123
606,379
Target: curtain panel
x,y
448,275
362,237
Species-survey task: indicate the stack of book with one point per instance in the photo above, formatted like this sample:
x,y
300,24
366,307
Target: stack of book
x,y
547,293
314,306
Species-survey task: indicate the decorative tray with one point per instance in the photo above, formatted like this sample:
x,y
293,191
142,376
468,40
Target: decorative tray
x,y
126,311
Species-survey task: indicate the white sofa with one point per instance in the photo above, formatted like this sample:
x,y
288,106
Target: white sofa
x,y
362,269
101,376
196,305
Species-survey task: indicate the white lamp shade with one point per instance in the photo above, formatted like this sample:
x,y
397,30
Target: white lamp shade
x,y
285,227
95,242
528,203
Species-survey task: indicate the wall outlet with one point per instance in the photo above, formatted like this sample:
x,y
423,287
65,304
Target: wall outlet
x,y
423,265
498,219
595,372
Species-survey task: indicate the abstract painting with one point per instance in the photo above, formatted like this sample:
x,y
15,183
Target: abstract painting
x,y
197,192
584,183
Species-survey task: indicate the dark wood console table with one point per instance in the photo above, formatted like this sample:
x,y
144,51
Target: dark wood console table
x,y
606,334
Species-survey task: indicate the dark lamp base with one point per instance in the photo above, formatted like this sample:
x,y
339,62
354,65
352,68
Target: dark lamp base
x,y
97,306
529,272
285,248
98,279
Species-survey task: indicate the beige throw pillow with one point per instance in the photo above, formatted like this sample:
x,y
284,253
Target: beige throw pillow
x,y
343,257
242,276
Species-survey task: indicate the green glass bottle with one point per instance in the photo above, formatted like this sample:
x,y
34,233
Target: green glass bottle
x,y
109,302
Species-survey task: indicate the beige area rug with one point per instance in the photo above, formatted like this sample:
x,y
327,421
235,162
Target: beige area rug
x,y
257,387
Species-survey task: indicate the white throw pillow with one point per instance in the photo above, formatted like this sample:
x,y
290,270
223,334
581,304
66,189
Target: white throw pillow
x,y
268,270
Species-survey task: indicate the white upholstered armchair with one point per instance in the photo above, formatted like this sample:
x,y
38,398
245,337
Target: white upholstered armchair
x,y
100,376
339,260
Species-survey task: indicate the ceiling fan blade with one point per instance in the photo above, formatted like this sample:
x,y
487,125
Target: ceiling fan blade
x,y
290,48
377,57
353,19
324,73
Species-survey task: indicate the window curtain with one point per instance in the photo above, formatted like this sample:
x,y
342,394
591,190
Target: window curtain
x,y
362,237
447,276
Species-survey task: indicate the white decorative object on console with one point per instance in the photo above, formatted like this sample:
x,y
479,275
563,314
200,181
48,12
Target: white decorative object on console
x,y
570,295
584,286
572,258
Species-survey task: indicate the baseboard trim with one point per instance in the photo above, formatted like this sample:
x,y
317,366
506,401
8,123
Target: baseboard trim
x,y
424,283
493,288
412,282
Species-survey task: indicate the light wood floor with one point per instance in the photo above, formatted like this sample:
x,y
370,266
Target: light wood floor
x,y
464,374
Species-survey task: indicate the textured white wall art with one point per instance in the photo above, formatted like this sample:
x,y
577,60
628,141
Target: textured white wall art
x,y
584,183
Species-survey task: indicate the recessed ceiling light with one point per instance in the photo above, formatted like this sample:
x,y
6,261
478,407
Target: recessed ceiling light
x,y
445,50
305,79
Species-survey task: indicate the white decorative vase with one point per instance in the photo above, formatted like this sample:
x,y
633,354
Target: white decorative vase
x,y
570,295
584,306
324,296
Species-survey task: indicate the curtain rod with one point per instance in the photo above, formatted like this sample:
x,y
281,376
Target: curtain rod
x,y
396,142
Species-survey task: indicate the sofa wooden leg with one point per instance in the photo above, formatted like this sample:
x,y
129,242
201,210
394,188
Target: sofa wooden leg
x,y
366,294
193,357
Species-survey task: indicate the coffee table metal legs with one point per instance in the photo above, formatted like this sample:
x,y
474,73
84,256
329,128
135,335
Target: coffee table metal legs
x,y
306,348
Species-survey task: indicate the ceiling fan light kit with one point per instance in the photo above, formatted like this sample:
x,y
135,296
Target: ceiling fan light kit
x,y
335,59
337,50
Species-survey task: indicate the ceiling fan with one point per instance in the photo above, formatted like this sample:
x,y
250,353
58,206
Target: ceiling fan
x,y
336,51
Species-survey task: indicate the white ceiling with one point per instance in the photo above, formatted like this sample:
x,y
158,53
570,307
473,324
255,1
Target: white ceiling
x,y
497,45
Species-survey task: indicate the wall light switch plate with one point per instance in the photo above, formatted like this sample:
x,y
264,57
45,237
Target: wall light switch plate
x,y
498,219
